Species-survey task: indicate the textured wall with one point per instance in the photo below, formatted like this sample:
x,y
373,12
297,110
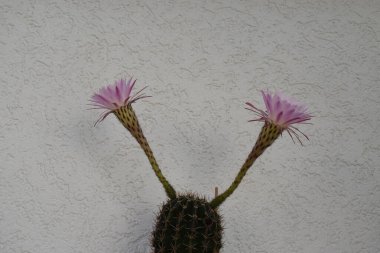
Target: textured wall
x,y
66,186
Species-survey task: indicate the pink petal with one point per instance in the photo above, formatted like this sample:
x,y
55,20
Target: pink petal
x,y
114,96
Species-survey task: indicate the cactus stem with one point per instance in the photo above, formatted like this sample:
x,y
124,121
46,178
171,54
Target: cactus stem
x,y
194,227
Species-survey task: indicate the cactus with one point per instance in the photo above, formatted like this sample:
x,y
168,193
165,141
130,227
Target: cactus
x,y
187,224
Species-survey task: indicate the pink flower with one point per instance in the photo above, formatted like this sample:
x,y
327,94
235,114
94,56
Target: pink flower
x,y
283,112
113,97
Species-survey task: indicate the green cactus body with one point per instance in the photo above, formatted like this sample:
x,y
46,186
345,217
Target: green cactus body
x,y
187,224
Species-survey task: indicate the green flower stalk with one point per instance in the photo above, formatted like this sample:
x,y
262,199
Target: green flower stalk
x,y
117,99
282,113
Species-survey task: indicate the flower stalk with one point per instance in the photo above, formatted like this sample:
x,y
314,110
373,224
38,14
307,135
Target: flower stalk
x,y
269,133
281,115
128,118
117,99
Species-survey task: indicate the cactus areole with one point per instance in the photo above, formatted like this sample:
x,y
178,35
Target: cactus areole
x,y
188,223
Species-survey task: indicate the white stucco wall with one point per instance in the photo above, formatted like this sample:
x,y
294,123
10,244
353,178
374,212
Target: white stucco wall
x,y
66,186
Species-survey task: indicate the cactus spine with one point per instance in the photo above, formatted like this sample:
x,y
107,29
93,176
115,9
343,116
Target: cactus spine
x,y
187,224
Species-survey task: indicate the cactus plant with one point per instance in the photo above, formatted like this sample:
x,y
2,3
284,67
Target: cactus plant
x,y
188,223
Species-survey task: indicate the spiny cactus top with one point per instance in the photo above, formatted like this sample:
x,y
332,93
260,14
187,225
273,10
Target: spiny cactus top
x,y
187,224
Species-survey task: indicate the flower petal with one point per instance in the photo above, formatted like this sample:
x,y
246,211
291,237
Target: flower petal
x,y
114,96
282,111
